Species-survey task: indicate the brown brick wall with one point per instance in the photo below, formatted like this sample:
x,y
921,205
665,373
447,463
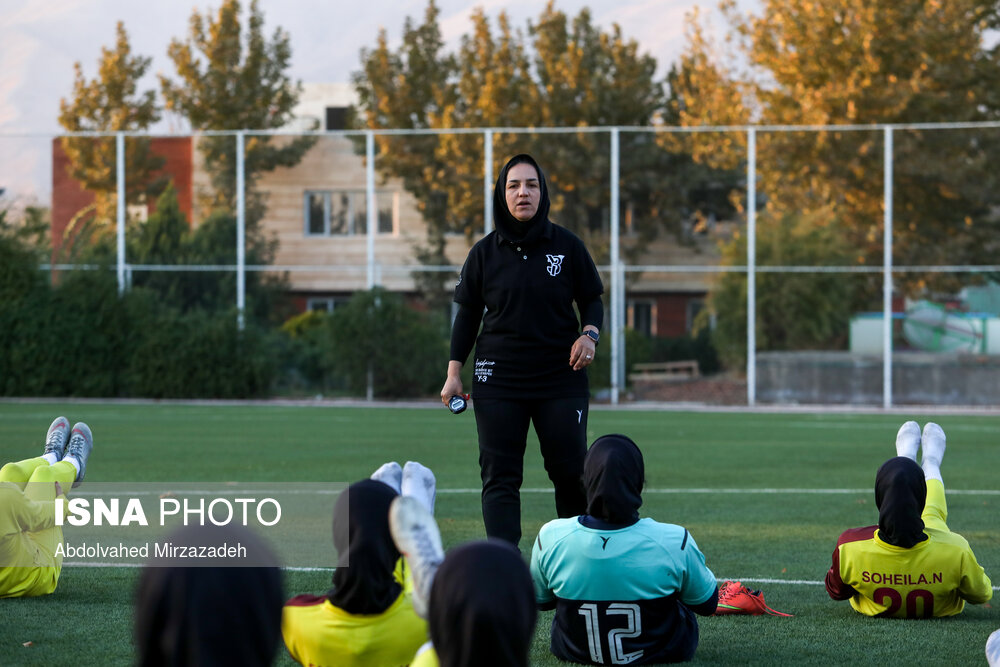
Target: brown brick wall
x,y
69,196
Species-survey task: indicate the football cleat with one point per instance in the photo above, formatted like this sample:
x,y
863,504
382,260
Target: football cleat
x,y
735,598
81,442
55,439
417,537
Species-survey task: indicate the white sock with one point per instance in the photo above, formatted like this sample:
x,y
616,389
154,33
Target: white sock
x,y
389,473
933,444
76,463
51,457
908,440
419,482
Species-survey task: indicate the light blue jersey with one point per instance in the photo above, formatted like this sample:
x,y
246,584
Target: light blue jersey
x,y
617,591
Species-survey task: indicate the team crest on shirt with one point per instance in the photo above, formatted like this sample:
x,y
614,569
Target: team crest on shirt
x,y
555,264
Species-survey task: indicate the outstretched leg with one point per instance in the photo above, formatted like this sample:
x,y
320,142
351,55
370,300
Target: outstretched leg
x,y
935,514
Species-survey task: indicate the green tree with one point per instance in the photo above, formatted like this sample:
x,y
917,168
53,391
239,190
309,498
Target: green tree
x,y
793,312
560,72
111,102
232,79
166,238
859,62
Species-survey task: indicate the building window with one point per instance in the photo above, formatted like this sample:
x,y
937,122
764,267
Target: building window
x,y
345,212
642,316
326,304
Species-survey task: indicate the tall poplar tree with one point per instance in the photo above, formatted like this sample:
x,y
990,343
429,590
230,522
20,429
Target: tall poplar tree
x,y
233,78
111,102
859,62
559,72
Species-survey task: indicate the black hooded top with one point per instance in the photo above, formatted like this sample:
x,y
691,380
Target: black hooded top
x,y
482,607
613,475
216,615
900,494
527,276
366,555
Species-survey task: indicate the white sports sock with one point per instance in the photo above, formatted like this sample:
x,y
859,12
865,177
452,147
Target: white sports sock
x,y
933,443
419,482
76,463
51,457
389,473
908,440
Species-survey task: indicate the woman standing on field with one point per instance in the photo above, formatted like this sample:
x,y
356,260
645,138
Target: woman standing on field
x,y
521,282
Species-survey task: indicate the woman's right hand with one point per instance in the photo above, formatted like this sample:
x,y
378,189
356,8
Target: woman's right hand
x,y
453,385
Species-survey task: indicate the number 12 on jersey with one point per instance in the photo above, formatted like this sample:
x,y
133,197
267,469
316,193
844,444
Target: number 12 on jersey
x,y
591,617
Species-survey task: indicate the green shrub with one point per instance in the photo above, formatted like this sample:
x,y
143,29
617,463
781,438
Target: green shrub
x,y
196,355
376,331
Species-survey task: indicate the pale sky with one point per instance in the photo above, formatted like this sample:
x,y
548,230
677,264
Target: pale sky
x,y
41,39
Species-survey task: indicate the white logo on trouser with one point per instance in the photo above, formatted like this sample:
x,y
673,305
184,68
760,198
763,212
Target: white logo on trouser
x,y
579,416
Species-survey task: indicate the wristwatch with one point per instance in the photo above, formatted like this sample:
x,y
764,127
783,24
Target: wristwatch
x,y
592,335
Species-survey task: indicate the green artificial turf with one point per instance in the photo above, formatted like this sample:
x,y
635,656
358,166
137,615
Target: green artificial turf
x,y
765,495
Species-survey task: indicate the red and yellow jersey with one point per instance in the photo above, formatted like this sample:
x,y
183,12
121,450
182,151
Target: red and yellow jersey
x,y
319,634
930,579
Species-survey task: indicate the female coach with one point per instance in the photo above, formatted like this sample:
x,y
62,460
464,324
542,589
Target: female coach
x,y
531,353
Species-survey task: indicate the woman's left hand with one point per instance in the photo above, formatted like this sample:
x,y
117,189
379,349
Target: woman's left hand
x,y
583,352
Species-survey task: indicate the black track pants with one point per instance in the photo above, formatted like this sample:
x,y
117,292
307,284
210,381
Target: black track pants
x,y
561,426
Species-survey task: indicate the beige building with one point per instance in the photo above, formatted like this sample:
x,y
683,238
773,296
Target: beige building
x,y
317,210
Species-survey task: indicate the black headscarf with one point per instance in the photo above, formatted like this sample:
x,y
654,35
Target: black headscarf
x,y
366,555
613,475
509,227
482,607
188,615
900,494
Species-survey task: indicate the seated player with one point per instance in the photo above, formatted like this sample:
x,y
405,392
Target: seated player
x,y
909,565
478,597
625,589
29,564
368,617
210,614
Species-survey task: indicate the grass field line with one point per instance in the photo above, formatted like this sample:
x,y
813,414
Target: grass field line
x,y
477,490
745,580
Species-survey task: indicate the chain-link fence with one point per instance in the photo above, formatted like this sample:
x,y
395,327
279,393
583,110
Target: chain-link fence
x,y
819,265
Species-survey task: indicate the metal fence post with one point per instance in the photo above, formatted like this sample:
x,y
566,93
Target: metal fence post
x,y
120,178
487,182
887,271
617,278
372,204
751,266
241,222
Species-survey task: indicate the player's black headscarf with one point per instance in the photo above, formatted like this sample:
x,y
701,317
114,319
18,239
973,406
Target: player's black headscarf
x,y
509,227
366,555
900,494
188,615
482,607
613,475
